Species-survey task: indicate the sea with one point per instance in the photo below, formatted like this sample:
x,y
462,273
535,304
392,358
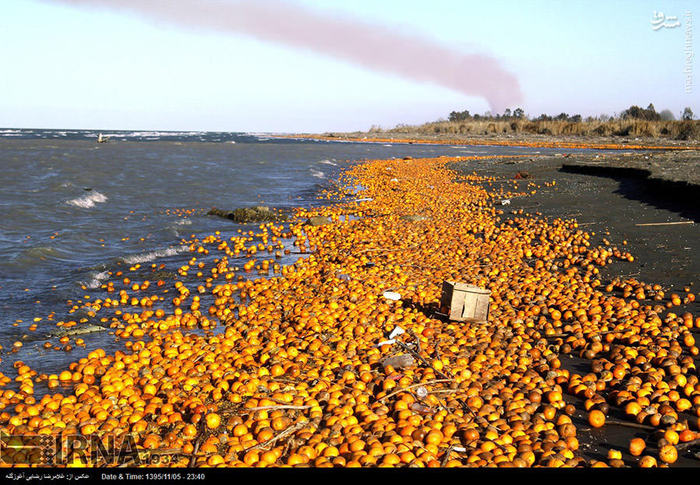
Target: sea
x,y
72,210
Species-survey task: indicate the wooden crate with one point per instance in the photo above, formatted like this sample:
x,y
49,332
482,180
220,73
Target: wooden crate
x,y
465,303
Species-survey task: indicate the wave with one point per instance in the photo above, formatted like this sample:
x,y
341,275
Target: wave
x,y
42,252
96,280
149,134
317,173
88,200
31,257
153,255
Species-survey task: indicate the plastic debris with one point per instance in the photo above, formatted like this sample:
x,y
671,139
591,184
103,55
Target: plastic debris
x,y
422,392
505,202
391,295
399,361
420,408
396,332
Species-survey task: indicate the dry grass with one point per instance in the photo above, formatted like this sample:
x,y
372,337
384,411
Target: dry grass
x,y
674,130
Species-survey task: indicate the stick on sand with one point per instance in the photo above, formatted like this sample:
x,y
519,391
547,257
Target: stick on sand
x,y
665,223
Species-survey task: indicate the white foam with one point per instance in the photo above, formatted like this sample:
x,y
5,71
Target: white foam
x,y
97,279
317,173
183,222
152,255
149,134
88,200
328,162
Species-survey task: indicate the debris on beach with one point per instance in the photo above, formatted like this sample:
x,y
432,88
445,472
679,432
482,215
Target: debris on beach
x,y
464,302
399,361
316,221
413,218
249,214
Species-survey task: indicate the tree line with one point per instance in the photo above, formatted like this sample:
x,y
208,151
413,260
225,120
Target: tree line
x,y
632,113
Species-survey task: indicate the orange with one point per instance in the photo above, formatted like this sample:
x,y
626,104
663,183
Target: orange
x,y
668,454
637,446
213,420
596,418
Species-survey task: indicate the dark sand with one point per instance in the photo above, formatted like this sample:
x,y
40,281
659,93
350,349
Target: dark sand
x,y
516,138
610,197
609,194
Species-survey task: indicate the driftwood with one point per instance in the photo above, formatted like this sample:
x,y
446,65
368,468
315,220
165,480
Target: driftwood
x,y
270,408
420,357
283,434
629,424
687,444
193,458
665,223
416,354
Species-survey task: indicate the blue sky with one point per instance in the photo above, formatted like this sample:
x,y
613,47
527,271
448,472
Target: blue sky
x,y
70,67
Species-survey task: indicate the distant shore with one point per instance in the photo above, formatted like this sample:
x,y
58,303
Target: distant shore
x,y
513,130
672,135
673,161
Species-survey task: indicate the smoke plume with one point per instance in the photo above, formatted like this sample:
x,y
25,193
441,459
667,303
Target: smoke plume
x,y
371,46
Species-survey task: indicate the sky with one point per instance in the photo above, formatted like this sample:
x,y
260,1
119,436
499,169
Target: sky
x,y
74,65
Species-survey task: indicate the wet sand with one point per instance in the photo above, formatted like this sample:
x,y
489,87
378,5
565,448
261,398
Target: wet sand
x,y
610,194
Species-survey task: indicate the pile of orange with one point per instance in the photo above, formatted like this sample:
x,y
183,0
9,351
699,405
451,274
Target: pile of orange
x,y
288,370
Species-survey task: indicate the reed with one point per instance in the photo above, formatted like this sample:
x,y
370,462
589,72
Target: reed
x,y
673,130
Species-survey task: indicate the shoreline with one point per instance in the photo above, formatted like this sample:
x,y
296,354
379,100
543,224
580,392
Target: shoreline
x,y
307,339
538,141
